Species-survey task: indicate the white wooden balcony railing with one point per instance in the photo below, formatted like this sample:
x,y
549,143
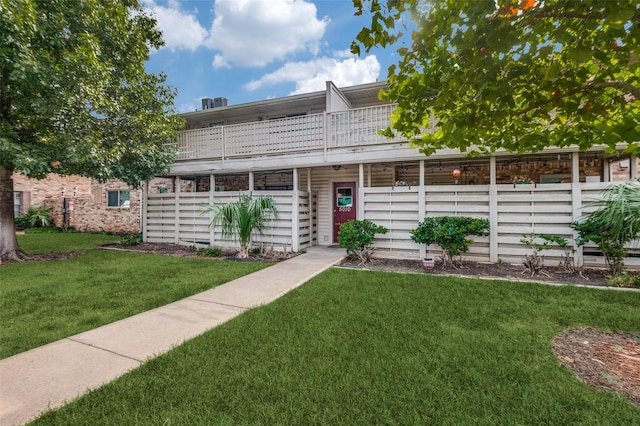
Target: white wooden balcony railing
x,y
315,132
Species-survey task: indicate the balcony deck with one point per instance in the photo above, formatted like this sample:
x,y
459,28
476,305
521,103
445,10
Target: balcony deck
x,y
315,133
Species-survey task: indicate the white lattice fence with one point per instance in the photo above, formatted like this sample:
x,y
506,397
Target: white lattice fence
x,y
461,200
160,218
397,210
193,227
526,209
306,219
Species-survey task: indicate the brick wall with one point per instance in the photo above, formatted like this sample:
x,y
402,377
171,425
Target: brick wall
x,y
90,211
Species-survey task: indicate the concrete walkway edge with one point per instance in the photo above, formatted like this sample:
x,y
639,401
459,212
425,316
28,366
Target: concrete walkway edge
x,y
51,375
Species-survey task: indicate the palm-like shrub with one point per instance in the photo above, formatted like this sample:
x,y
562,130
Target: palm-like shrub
x,y
614,224
35,217
240,219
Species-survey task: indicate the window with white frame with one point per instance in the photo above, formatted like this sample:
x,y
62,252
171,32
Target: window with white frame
x,y
17,204
118,199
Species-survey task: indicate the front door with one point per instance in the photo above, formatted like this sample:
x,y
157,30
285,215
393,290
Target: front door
x,y
344,205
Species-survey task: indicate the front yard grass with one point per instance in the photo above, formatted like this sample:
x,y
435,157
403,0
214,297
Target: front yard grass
x,y
42,302
366,347
62,242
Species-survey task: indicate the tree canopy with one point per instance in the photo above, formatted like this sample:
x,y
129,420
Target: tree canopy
x,y
75,97
519,75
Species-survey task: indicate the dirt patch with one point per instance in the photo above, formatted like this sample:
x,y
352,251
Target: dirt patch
x,y
554,275
608,361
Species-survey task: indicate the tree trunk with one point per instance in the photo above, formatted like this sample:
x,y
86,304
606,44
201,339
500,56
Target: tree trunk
x,y
243,253
9,249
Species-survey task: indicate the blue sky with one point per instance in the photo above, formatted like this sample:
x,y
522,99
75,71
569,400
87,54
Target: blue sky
x,y
250,50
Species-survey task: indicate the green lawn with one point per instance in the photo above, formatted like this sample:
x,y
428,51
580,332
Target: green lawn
x,y
356,347
66,242
42,302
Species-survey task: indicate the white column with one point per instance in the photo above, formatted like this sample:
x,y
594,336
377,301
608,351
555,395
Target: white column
x,y
576,202
311,224
145,209
360,211
493,212
295,214
327,135
251,185
422,205
212,194
176,213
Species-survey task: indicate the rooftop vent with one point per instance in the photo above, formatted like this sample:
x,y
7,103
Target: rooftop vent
x,y
208,103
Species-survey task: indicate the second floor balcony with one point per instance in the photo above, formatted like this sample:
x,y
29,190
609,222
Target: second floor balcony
x,y
291,135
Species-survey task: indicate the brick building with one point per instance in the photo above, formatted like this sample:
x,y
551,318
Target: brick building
x,y
92,206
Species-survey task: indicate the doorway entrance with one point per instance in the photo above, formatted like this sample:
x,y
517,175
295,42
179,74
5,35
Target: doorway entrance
x,y
344,205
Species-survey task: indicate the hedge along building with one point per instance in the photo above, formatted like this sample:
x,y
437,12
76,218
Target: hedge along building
x,y
321,157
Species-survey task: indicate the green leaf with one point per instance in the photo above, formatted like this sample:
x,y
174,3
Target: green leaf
x,y
552,72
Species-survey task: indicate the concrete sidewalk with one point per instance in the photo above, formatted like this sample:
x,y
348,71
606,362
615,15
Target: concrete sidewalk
x,y
48,376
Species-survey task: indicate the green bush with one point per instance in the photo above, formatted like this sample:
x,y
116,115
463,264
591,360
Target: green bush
x,y
614,224
209,251
595,230
450,233
534,262
357,236
35,217
625,279
131,239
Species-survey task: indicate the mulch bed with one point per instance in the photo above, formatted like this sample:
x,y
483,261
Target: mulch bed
x,y
597,277
609,361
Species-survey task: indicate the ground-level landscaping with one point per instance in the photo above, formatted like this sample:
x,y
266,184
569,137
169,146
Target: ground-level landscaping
x,y
369,347
44,301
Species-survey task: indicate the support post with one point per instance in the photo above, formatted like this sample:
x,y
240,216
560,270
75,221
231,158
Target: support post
x,y
311,224
176,213
360,211
295,214
145,210
493,212
212,194
576,203
422,205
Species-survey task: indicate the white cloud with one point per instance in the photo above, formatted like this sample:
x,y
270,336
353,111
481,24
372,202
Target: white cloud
x,y
311,76
180,30
257,32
